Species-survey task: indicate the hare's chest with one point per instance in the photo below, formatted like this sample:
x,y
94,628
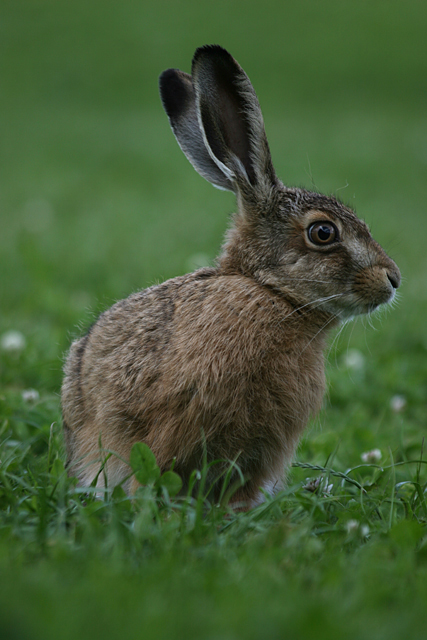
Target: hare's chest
x,y
293,387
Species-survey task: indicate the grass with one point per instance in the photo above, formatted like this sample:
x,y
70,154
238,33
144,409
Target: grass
x,y
351,554
97,201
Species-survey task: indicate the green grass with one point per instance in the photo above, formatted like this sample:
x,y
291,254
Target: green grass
x,y
98,201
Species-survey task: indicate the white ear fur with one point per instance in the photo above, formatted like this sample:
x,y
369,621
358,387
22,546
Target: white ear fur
x,y
178,98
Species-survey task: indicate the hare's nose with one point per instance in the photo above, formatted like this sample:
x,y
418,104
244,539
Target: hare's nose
x,y
394,277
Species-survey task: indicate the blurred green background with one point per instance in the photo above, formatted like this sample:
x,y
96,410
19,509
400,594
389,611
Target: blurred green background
x,y
97,201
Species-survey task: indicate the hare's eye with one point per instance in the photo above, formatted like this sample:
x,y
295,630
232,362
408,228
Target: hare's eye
x,y
321,233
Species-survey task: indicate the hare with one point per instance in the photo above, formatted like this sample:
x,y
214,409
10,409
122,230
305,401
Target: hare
x,y
226,363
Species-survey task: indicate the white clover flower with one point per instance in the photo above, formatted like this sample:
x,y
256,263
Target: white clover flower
x,y
364,531
355,360
313,484
352,525
30,395
397,403
371,456
12,341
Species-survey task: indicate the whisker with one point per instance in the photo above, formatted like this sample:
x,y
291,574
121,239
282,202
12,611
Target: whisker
x,y
366,341
317,302
369,321
336,338
349,338
320,330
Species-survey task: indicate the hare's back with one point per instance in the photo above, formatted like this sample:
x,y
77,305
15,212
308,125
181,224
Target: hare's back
x,y
202,314
200,329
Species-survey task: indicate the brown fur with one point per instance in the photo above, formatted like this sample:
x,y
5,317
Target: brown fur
x,y
224,362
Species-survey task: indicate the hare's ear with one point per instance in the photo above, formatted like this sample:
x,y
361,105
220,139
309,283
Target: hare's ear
x,y
178,98
231,120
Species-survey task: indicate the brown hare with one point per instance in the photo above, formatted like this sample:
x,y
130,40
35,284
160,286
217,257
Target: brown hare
x,y
226,362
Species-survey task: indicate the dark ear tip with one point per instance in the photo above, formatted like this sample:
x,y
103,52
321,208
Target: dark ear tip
x,y
166,75
174,88
211,51
167,81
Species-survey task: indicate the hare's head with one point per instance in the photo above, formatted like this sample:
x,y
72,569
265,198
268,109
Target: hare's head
x,y
308,246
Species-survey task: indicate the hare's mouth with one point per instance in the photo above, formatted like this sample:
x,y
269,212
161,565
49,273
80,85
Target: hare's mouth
x,y
362,307
375,299
356,303
373,287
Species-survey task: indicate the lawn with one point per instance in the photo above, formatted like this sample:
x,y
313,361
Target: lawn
x,y
98,201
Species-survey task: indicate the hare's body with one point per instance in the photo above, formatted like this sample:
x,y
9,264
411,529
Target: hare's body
x,y
225,363
242,384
